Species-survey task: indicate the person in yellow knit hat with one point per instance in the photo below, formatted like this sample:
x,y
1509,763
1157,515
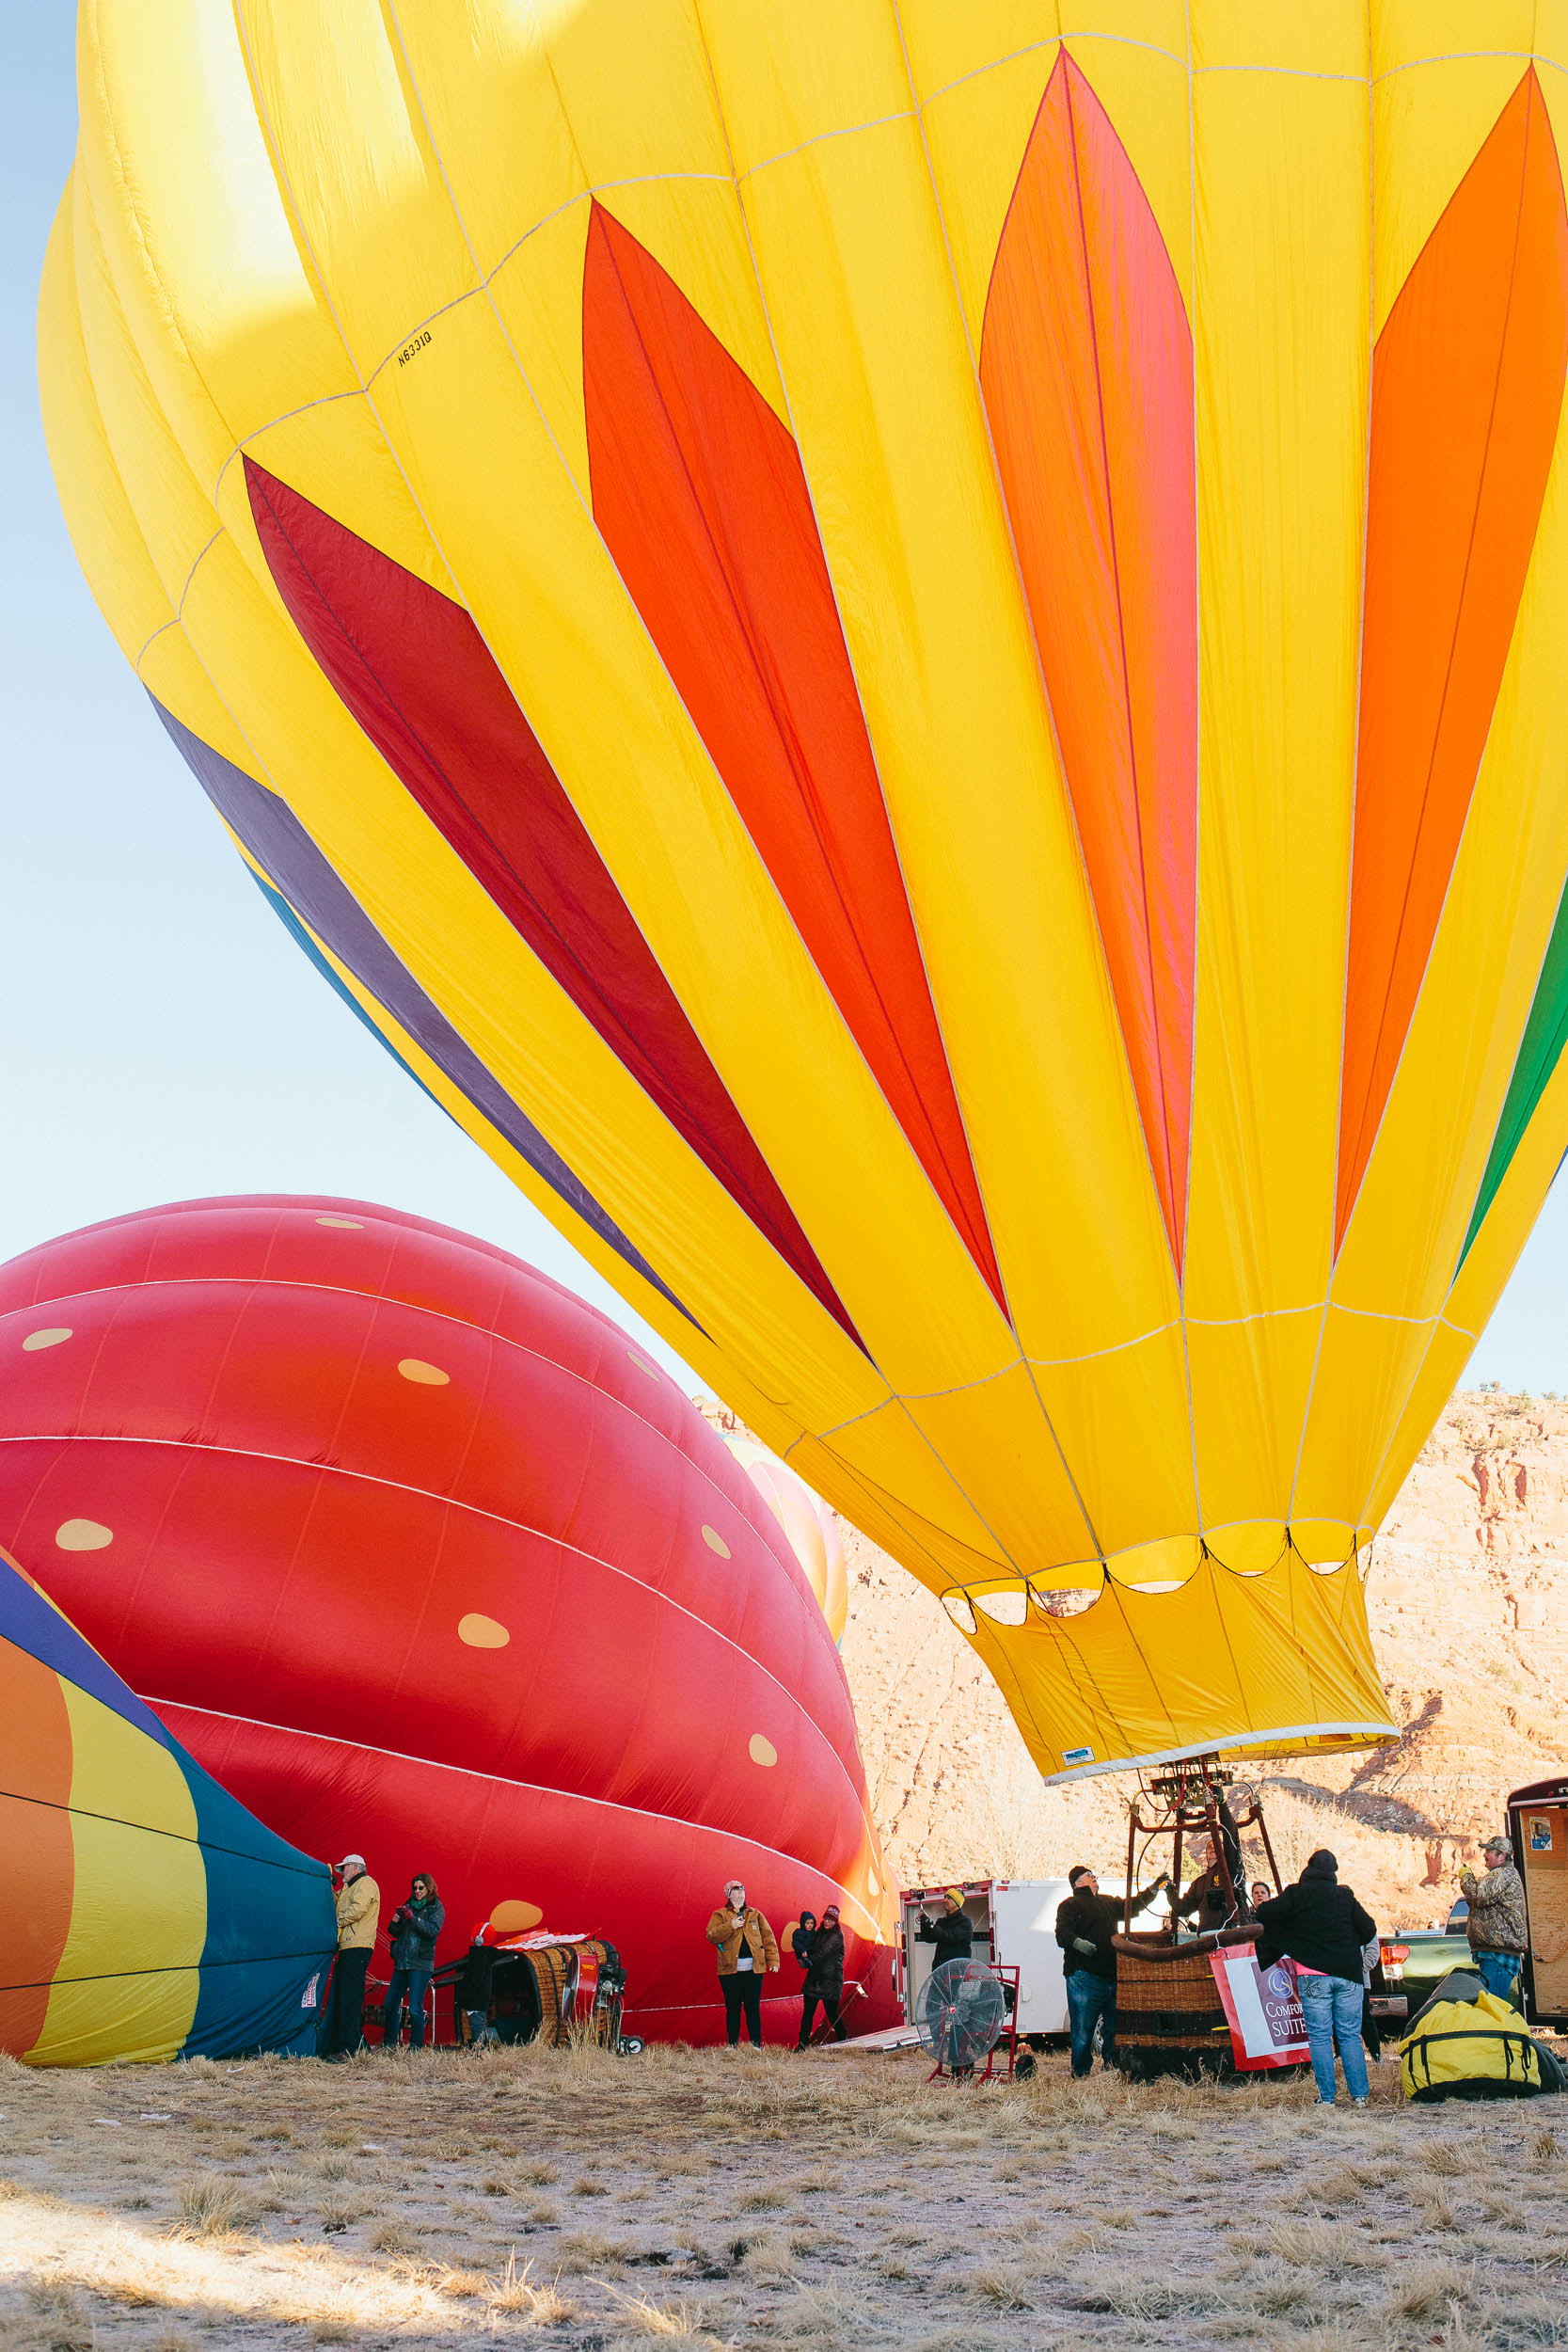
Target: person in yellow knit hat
x,y
952,1930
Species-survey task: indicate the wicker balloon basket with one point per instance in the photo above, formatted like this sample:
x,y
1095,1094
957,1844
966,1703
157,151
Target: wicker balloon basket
x,y
1169,2018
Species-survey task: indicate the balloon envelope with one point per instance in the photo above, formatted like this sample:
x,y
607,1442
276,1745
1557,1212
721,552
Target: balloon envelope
x,y
814,1535
428,1562
917,667
147,1914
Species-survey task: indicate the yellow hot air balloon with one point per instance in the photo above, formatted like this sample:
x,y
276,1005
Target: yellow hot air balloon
x,y
916,663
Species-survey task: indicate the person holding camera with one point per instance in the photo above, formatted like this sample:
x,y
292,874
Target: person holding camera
x,y
747,1952
414,1928
358,1900
952,1930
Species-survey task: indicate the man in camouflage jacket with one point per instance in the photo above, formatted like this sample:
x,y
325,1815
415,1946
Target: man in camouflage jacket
x,y
1496,1927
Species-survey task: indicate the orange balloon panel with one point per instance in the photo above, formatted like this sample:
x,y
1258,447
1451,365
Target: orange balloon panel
x,y
914,661
424,1558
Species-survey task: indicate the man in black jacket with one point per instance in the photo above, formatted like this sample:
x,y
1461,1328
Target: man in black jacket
x,y
1320,1925
1084,1926
952,1931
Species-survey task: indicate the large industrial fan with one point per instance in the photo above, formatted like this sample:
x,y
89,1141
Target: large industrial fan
x,y
962,2011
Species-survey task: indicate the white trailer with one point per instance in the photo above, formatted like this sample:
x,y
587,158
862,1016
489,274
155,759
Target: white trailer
x,y
1014,1922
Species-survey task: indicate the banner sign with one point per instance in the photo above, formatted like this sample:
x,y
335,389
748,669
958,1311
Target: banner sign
x,y
1262,2008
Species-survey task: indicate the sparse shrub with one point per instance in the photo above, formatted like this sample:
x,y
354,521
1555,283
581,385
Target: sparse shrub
x,y
341,2208
676,2322
59,2323
1454,2155
1313,2242
515,2290
1005,2286
1431,2294
1522,2326
464,2283
588,2253
210,2206
1148,2298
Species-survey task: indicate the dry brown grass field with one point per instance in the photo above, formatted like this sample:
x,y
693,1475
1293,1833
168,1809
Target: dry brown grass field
x,y
576,2200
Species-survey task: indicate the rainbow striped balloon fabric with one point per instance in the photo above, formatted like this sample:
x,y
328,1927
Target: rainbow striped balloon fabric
x,y
913,656
146,1915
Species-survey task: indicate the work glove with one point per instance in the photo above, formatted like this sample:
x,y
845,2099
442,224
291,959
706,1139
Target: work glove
x,y
1082,1944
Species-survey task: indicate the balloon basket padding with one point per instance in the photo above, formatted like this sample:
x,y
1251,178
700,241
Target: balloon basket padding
x,y
1169,2016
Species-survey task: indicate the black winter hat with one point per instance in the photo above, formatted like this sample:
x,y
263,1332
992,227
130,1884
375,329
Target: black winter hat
x,y
1322,1865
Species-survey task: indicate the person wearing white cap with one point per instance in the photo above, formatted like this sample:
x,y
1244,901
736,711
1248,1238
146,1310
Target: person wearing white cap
x,y
359,1910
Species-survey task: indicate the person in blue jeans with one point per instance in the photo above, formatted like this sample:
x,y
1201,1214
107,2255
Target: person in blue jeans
x,y
1084,1926
415,1925
1320,1925
1500,1972
1495,1924
1331,2007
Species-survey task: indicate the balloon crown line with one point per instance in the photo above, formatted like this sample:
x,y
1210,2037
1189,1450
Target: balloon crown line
x,y
1014,1600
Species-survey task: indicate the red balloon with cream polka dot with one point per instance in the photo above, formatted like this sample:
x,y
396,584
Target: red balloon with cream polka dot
x,y
424,1558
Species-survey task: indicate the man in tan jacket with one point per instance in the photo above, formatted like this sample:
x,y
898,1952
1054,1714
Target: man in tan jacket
x,y
747,1953
359,1910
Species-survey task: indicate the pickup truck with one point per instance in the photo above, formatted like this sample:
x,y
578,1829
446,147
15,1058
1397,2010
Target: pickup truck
x,y
1414,1960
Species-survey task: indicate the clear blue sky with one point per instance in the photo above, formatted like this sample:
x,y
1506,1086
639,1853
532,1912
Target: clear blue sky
x,y
162,1037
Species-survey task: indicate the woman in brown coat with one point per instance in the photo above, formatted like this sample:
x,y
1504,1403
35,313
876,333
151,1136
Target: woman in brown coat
x,y
747,1952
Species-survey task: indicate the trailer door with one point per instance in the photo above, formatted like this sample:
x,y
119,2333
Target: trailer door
x,y
1543,1864
1025,1915
917,1957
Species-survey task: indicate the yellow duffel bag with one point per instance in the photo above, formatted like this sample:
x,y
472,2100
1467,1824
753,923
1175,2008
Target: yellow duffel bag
x,y
1478,2049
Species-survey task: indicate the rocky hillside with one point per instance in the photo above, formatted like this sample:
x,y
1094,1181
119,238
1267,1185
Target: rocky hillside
x,y
1468,1599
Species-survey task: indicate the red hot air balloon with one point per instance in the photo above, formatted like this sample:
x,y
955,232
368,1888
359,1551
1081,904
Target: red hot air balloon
x,y
424,1558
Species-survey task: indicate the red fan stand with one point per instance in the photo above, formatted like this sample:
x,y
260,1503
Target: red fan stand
x,y
1009,2037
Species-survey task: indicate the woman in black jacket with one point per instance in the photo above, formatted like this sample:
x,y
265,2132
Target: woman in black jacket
x,y
415,1925
824,1979
1320,1925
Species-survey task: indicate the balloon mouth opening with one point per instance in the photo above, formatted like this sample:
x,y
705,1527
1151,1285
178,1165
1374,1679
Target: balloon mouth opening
x,y
1248,1550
